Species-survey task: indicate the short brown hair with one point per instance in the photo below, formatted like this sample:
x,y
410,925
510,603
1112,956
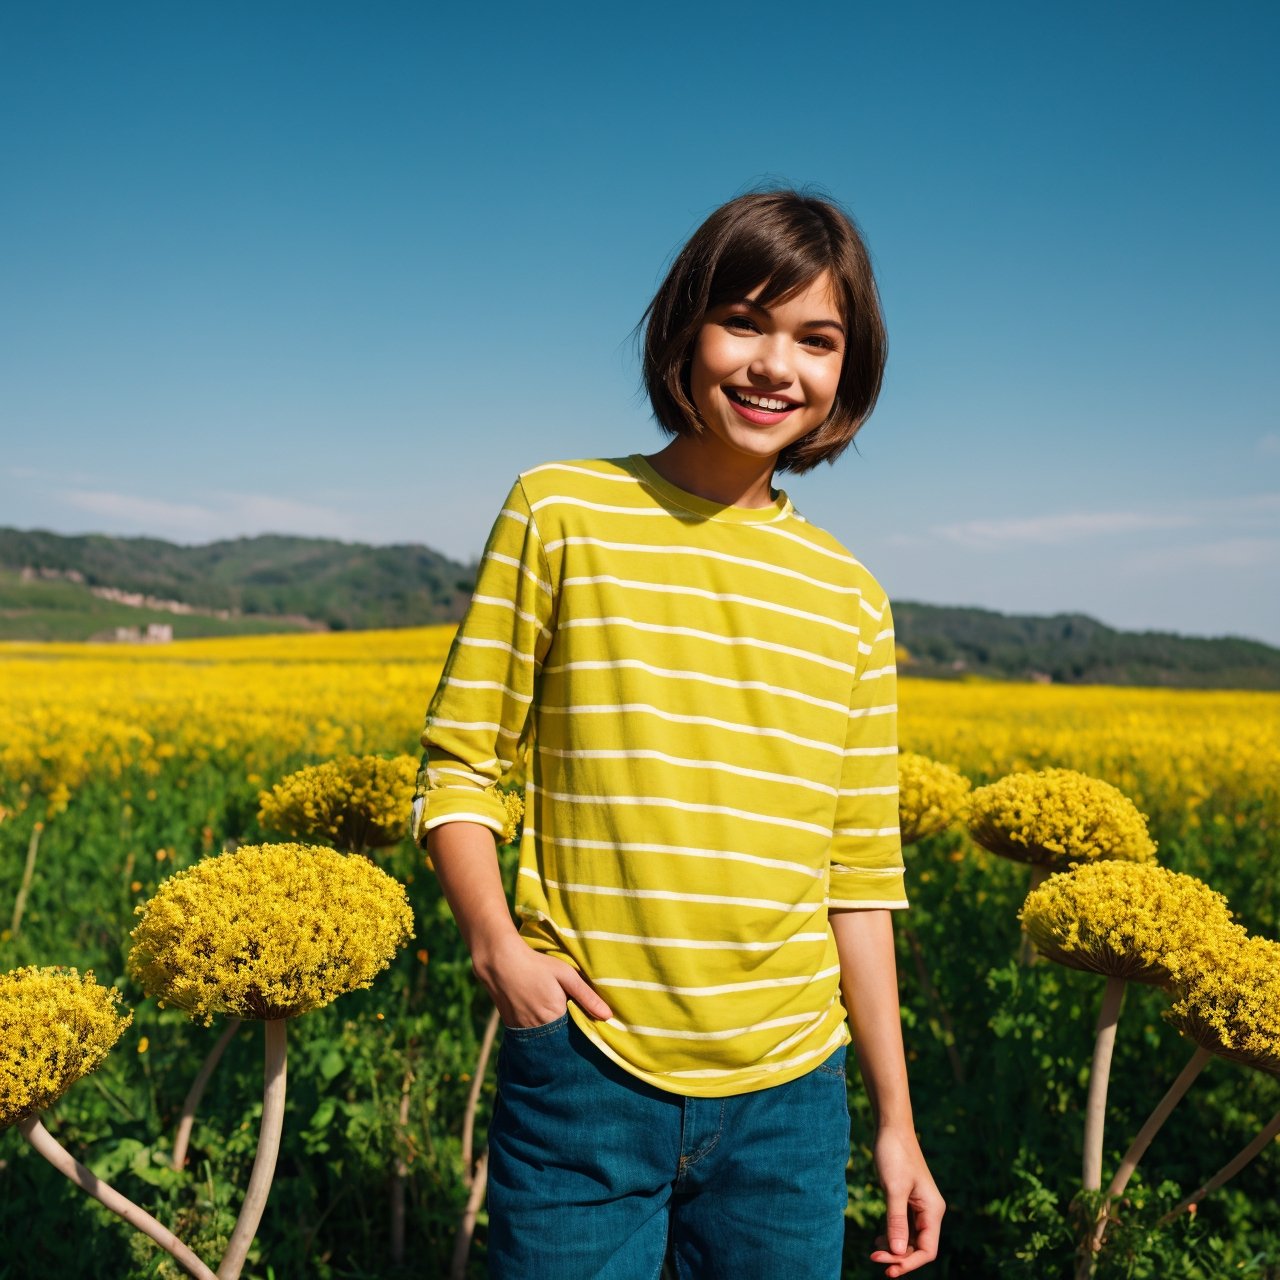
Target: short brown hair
x,y
783,240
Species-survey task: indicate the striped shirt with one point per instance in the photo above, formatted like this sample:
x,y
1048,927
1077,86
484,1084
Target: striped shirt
x,y
708,696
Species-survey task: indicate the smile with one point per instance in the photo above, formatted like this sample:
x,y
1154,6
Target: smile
x,y
768,403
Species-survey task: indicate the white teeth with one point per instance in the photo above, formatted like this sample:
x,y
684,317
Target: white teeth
x,y
763,402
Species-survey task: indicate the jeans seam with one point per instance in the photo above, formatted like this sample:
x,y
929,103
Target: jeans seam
x,y
534,1033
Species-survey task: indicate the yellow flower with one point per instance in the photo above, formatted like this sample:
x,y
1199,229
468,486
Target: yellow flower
x,y
55,1026
269,931
1231,1004
930,796
514,803
355,802
1058,816
1132,920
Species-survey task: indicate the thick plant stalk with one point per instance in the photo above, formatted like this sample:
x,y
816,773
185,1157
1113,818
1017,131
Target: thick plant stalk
x,y
473,1097
935,999
400,1174
1027,953
1099,1076
467,1227
182,1138
264,1163
65,1163
1228,1170
1138,1147
28,874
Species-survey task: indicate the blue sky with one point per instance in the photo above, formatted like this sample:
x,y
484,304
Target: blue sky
x,y
343,270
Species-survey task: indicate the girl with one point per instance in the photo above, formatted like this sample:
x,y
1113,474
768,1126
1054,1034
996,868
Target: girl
x,y
710,856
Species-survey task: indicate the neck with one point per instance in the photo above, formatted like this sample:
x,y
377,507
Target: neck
x,y
693,464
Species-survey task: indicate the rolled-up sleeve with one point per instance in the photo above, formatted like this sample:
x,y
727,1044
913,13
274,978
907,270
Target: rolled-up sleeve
x,y
866,845
476,719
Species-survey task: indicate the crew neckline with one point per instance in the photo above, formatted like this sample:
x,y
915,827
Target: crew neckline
x,y
646,472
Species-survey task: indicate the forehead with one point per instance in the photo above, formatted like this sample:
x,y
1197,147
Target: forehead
x,y
818,298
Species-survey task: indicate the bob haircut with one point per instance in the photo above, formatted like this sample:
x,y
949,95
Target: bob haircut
x,y
783,240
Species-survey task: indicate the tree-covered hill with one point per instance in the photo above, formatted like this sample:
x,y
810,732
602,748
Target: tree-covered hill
x,y
76,588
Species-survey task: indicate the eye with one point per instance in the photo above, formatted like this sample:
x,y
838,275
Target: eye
x,y
820,342
743,323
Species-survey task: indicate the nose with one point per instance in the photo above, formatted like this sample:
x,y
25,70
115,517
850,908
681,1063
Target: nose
x,y
773,360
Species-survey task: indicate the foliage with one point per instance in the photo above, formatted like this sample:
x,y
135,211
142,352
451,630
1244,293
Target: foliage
x,y
269,931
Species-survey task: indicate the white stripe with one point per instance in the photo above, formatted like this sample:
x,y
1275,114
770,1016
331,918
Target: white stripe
x,y
564,500
679,851
847,903
731,641
670,674
720,596
789,1021
719,766
626,478
496,644
478,725
874,673
869,791
725,988
865,831
693,944
483,818
824,1051
762,731
887,634
663,803
433,773
667,895
866,871
666,550
796,1036
812,546
503,603
455,683
888,710
516,564
871,751
518,516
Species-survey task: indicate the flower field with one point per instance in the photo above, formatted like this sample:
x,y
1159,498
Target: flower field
x,y
120,765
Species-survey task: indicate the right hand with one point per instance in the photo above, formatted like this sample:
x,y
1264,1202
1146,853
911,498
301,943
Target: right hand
x,y
531,989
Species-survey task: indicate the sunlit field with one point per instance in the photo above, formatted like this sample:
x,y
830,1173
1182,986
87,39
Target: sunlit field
x,y
138,760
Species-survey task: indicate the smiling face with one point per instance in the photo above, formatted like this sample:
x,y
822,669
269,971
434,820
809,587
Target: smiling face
x,y
763,377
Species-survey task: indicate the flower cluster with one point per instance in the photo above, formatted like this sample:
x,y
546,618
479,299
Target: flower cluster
x,y
513,802
56,1025
930,796
1131,920
269,931
1056,817
1232,1006
354,802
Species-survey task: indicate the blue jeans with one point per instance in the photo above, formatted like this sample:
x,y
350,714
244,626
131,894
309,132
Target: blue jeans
x,y
594,1174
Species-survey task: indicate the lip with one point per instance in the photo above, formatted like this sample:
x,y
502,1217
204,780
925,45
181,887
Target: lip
x,y
761,417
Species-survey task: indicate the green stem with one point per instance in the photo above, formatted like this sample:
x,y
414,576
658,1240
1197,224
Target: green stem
x,y
1138,1148
28,873
264,1163
182,1137
65,1163
1228,1170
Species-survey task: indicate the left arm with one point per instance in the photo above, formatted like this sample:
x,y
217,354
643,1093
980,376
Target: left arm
x,y
869,985
866,887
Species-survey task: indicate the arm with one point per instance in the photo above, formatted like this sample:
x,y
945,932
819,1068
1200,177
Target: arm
x,y
869,985
527,987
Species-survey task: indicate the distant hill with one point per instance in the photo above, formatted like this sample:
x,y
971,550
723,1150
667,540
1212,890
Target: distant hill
x,y
71,588
78,588
1072,648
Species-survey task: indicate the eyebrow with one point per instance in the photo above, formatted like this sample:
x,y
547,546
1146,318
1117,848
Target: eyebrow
x,y
808,324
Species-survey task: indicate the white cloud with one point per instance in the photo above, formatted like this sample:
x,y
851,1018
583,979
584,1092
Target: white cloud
x,y
1063,527
1223,553
229,515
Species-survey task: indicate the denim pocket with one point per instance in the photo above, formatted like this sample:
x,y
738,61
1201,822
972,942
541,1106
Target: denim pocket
x,y
835,1064
533,1033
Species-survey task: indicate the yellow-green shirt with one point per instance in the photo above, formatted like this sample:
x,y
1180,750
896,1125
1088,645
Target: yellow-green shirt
x,y
709,695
